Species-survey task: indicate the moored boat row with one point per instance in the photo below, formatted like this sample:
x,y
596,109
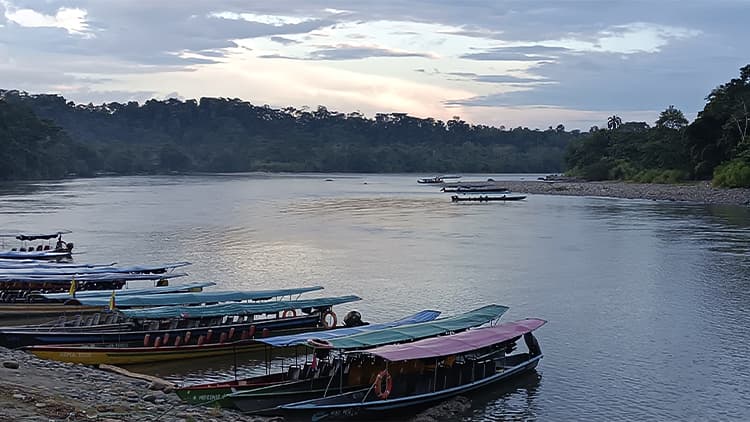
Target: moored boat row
x,y
347,369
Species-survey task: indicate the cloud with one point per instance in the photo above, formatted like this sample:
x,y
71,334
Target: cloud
x,y
503,55
284,41
73,20
498,79
349,52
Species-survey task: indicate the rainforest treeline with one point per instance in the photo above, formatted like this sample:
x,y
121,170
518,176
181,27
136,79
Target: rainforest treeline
x,y
45,136
716,145
230,135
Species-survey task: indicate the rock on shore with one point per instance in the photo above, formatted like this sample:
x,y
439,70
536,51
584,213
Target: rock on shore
x,y
698,192
33,389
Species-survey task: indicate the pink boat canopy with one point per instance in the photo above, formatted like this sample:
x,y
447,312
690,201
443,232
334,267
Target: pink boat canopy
x,y
457,343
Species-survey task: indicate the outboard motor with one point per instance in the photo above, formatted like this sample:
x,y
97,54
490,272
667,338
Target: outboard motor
x,y
353,319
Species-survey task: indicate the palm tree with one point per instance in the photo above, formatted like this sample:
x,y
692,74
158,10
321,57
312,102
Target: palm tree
x,y
613,122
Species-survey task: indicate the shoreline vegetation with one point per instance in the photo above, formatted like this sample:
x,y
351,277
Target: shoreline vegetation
x,y
46,136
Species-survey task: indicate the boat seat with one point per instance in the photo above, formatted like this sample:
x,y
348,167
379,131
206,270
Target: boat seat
x,y
294,372
305,373
173,324
95,319
467,373
452,376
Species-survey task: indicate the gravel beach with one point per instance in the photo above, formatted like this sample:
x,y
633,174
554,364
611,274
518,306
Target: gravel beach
x,y
33,389
698,192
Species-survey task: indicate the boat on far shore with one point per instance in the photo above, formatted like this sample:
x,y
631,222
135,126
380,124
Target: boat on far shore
x,y
437,179
487,198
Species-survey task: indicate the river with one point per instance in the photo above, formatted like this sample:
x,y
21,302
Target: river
x,y
647,302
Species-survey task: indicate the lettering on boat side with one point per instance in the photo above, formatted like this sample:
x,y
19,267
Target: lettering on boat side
x,y
75,354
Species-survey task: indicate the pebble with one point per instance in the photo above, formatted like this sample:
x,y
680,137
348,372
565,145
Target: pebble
x,y
695,192
10,364
107,397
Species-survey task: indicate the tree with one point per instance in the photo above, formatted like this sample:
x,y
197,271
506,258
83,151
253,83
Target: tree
x,y
671,118
614,122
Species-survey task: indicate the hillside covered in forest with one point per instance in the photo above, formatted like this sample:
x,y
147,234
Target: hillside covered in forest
x,y
714,146
230,135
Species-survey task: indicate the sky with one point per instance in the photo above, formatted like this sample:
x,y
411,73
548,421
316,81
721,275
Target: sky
x,y
494,62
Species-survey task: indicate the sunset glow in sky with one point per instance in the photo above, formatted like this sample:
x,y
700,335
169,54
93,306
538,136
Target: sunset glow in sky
x,y
512,63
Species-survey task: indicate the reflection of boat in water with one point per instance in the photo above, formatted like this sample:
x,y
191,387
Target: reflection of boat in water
x,y
45,252
436,179
487,198
431,370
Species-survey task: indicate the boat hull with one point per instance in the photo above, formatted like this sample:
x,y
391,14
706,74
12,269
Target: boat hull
x,y
36,255
352,405
265,399
16,310
487,198
136,355
15,338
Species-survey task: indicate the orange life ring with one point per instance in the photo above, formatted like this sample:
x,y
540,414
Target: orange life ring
x,y
383,394
325,323
289,313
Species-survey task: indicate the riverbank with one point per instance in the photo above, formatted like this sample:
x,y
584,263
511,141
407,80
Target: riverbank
x,y
33,389
697,192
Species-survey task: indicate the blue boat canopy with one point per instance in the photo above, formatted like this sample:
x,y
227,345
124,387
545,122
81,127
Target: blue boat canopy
x,y
79,271
236,309
413,332
171,299
302,338
99,278
127,292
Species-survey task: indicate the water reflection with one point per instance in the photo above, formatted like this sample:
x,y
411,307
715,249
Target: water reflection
x,y
514,400
646,300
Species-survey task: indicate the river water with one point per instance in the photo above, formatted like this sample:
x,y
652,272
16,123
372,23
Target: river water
x,y
647,302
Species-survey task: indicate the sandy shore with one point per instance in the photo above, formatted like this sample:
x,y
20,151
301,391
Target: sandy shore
x,y
698,192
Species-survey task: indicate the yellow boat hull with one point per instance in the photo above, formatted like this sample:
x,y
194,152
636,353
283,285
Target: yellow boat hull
x,y
93,355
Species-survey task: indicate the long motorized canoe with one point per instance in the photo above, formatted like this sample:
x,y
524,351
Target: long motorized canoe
x,y
212,393
461,363
188,325
311,383
188,343
487,198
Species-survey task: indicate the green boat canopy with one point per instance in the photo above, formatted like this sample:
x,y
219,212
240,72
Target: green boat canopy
x,y
235,309
189,298
416,331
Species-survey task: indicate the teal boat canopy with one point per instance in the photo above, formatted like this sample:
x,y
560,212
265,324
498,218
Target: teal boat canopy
x,y
413,332
171,299
236,309
297,339
128,292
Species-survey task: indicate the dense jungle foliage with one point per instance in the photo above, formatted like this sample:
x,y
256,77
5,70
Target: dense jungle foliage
x,y
230,135
716,145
